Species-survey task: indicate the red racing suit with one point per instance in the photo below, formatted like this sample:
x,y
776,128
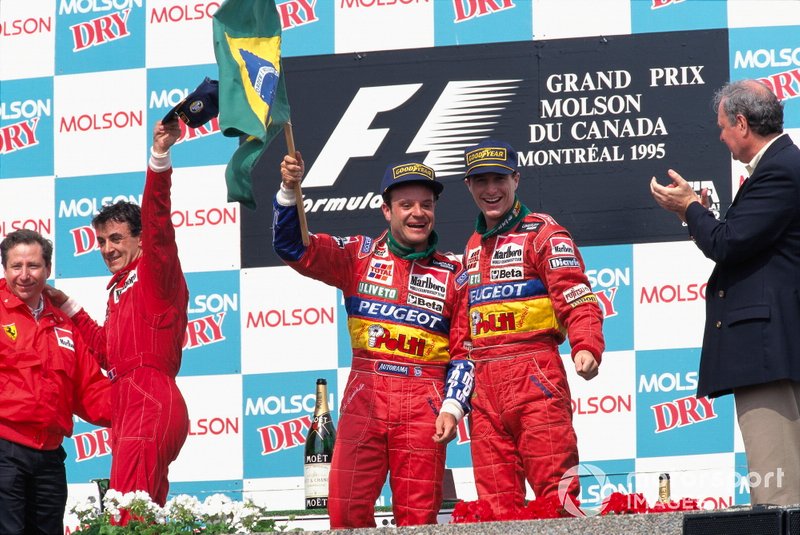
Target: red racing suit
x,y
46,375
406,331
526,287
140,346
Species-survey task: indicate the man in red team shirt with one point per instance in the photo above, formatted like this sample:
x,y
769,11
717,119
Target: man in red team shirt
x,y
140,342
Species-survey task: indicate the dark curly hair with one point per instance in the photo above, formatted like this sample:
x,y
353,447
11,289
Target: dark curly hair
x,y
121,212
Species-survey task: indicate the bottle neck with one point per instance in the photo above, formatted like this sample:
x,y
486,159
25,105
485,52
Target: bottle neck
x,y
322,401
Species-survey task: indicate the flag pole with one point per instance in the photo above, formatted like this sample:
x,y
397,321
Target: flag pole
x,y
301,211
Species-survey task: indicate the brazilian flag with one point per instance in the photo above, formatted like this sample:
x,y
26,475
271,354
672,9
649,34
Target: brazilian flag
x,y
252,93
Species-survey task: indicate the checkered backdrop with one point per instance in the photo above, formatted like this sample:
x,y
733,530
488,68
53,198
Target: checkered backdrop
x,y
596,96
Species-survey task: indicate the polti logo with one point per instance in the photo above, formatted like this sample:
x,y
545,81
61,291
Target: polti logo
x,y
492,322
381,337
296,13
181,12
110,26
470,9
508,249
428,281
92,444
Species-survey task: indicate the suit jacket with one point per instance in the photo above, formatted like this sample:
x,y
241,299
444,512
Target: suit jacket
x,y
752,331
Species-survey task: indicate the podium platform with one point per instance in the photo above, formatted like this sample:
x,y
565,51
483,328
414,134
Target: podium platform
x,y
734,521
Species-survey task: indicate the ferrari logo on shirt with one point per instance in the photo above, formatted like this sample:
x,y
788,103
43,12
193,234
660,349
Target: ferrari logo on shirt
x,y
11,331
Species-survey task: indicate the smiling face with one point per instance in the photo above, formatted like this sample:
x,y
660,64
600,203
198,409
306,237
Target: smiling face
x,y
494,194
118,247
411,215
26,272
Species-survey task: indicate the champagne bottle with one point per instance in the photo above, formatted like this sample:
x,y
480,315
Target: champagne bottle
x,y
319,451
663,488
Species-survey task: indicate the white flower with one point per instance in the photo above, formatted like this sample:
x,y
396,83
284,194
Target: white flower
x,y
217,505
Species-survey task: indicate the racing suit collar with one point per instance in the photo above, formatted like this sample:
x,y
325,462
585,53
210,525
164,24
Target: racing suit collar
x,y
407,253
122,274
512,217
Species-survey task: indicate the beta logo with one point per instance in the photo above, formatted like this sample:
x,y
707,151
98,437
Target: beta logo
x,y
506,274
434,305
508,249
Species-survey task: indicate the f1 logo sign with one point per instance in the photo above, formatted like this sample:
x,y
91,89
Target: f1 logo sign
x,y
455,117
352,137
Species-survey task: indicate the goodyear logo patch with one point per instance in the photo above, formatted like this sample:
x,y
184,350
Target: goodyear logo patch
x,y
487,154
412,169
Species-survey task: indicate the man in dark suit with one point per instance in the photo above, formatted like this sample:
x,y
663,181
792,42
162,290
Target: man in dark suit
x,y
751,344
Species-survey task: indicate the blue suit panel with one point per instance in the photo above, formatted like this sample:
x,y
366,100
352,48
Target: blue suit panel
x,y
752,331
